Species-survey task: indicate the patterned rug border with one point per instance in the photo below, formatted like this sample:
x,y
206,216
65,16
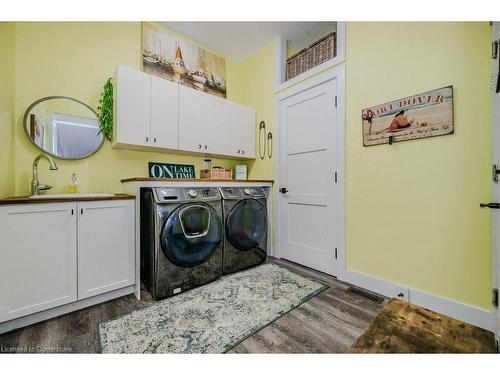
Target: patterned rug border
x,y
232,344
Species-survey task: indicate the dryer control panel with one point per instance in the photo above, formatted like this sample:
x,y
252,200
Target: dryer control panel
x,y
242,192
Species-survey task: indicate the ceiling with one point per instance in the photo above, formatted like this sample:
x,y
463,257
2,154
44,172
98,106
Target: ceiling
x,y
239,40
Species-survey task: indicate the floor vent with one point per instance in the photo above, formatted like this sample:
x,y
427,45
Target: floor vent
x,y
365,294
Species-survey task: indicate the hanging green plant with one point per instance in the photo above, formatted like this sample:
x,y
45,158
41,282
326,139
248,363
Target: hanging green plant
x,y
105,111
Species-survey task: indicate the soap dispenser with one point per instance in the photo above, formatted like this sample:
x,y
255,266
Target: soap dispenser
x,y
73,184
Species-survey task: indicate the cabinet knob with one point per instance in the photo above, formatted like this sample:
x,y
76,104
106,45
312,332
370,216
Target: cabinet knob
x,y
154,140
199,146
147,139
242,152
239,151
205,147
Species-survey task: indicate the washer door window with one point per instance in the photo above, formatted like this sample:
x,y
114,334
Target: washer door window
x,y
191,234
246,225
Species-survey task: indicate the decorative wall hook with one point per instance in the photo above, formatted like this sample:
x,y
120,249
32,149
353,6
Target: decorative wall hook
x,y
262,129
270,145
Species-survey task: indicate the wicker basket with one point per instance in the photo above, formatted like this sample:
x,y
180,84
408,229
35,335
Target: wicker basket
x,y
217,173
317,53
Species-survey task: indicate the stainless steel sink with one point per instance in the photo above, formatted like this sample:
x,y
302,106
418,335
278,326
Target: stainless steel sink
x,y
72,195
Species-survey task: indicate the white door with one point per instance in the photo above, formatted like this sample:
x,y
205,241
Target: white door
x,y
106,243
37,258
133,92
191,108
308,167
164,114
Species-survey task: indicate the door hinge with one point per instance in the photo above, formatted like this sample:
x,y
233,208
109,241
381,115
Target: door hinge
x,y
494,297
336,253
335,101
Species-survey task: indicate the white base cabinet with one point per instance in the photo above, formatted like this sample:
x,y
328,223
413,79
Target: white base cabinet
x,y
37,258
53,254
106,248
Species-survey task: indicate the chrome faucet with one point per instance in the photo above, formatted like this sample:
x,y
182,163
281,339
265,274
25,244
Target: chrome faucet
x,y
36,187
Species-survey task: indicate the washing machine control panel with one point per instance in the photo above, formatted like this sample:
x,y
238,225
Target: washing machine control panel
x,y
170,195
247,191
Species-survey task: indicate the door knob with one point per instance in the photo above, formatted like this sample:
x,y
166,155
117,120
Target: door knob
x,y
284,190
489,205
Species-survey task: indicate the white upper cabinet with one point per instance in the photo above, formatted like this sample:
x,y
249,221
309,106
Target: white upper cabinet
x,y
154,113
239,131
214,124
164,114
133,91
191,118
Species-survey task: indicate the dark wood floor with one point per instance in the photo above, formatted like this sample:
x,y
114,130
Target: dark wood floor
x,y
327,323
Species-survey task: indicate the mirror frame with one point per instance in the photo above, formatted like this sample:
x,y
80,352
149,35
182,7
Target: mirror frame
x,y
25,123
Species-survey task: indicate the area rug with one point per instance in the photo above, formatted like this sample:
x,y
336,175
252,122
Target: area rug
x,y
402,327
213,318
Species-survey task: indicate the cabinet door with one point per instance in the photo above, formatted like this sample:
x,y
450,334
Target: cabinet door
x,y
247,132
231,136
214,117
191,111
37,258
132,107
106,246
239,131
164,113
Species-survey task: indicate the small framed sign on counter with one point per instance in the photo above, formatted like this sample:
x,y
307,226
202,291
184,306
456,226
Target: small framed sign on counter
x,y
167,170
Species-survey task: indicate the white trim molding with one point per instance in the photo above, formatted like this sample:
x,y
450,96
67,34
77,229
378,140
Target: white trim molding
x,y
470,314
282,83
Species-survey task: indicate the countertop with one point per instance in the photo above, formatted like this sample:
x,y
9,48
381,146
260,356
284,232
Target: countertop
x,y
137,179
23,200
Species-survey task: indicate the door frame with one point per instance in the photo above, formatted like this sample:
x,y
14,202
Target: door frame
x,y
338,73
495,153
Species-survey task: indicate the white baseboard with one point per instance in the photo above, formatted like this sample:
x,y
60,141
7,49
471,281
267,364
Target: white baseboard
x,y
61,310
469,314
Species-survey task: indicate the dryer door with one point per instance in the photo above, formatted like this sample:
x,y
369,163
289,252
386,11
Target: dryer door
x,y
191,234
246,225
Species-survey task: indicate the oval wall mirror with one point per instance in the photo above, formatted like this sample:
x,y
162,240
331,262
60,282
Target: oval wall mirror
x,y
63,127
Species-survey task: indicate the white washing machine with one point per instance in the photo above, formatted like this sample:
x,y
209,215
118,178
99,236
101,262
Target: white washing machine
x,y
245,227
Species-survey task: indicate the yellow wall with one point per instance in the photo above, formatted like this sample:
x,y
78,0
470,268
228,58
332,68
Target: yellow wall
x,y
75,59
6,109
413,212
257,78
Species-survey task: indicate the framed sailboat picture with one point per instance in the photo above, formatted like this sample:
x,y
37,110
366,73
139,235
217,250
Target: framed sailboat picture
x,y
166,55
428,114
